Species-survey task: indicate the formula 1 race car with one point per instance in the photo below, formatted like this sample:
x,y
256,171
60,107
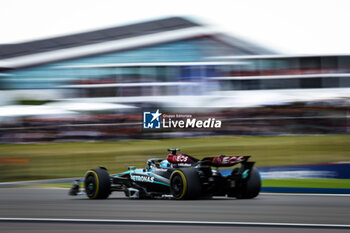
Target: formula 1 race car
x,y
179,176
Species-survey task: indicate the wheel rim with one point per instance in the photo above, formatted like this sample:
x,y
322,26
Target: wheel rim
x,y
177,185
90,186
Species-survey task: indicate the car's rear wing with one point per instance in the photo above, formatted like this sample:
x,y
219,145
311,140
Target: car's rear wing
x,y
220,161
225,161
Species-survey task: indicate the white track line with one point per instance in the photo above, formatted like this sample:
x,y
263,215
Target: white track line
x,y
306,194
164,222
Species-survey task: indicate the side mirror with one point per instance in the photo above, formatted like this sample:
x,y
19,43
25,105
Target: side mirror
x,y
131,168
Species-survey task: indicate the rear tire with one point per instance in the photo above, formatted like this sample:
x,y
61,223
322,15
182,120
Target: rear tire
x,y
185,184
251,187
97,184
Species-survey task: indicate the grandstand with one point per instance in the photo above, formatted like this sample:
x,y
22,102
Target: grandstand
x,y
164,62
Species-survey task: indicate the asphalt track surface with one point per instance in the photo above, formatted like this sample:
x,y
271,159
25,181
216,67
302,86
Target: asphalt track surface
x,y
42,203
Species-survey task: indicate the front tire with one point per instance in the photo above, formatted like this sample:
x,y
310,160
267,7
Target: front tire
x,y
185,184
97,184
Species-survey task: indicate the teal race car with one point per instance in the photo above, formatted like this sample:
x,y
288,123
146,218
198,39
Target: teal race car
x,y
179,176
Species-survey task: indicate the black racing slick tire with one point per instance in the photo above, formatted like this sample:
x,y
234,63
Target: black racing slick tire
x,y
185,184
251,187
97,184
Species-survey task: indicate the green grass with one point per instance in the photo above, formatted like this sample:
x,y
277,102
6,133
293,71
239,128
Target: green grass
x,y
308,183
58,160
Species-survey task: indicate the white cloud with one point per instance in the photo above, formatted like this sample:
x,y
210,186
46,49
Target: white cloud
x,y
293,26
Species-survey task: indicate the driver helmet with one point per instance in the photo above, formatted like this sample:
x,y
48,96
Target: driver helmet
x,y
165,164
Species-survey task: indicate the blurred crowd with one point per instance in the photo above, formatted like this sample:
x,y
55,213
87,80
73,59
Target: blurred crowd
x,y
312,118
